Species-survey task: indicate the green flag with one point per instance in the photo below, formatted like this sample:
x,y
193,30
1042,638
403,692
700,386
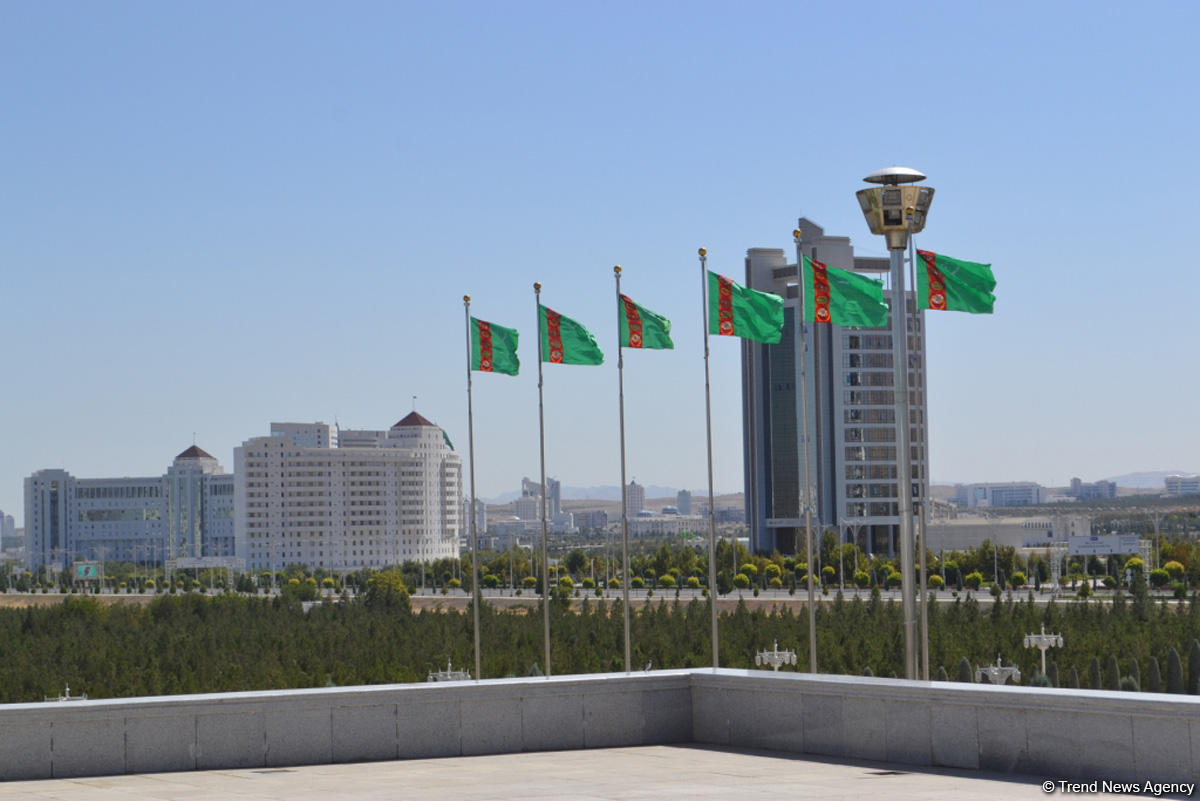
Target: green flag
x,y
734,311
565,341
841,297
493,348
947,284
641,328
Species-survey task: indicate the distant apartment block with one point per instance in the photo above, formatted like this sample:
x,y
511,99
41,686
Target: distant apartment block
x,y
594,519
346,499
1092,491
1013,493
528,507
635,499
683,502
187,513
1182,485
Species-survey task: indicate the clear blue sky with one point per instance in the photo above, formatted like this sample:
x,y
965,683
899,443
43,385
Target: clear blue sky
x,y
219,214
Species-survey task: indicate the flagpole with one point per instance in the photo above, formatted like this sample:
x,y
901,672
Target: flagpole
x,y
475,592
712,517
537,293
922,501
806,495
624,502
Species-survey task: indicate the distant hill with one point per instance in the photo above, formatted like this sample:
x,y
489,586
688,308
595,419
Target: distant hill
x,y
1150,479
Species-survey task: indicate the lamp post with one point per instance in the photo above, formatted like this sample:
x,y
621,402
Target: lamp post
x,y
895,209
775,658
998,673
1042,642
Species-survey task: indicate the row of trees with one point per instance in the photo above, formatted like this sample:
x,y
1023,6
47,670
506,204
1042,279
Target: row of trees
x,y
194,643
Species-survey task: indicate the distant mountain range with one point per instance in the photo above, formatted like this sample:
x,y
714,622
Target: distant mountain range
x,y
1147,479
610,492
1151,479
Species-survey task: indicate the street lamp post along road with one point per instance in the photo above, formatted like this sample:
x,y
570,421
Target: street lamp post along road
x,y
896,209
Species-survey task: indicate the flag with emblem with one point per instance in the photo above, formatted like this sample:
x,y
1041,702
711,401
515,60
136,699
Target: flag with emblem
x,y
735,311
493,348
948,284
564,341
639,327
841,297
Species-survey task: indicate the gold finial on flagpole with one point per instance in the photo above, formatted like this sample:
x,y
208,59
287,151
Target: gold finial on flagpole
x,y
537,286
617,269
796,234
703,251
466,298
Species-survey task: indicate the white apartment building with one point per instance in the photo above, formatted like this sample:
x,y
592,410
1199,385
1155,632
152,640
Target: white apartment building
x,y
347,499
851,433
1182,485
187,513
635,500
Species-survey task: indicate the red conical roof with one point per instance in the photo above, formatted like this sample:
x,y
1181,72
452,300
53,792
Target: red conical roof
x,y
414,419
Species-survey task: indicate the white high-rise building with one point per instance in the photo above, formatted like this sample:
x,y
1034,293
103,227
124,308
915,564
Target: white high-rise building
x,y
187,513
635,499
348,499
851,432
1182,485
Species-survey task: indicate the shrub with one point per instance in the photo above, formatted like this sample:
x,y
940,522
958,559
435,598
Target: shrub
x,y
935,582
529,582
1130,684
894,579
1174,570
941,674
973,580
1109,582
1135,564
775,583
693,583
1039,679
666,581
1018,580
589,584
1094,678
828,574
614,583
639,583
1179,590
491,581
1114,673
748,570
566,583
741,581
862,579
965,674
1085,589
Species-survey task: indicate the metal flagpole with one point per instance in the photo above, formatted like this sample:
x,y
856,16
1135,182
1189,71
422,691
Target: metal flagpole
x,y
806,494
624,503
922,480
477,595
712,517
537,293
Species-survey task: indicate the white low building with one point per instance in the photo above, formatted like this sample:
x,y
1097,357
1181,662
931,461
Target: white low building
x,y
348,499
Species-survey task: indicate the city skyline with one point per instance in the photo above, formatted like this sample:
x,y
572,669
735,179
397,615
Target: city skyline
x,y
201,243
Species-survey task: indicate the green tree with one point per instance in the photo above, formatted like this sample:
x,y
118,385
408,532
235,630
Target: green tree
x,y
1153,677
1095,681
1114,673
1193,674
1174,672
965,674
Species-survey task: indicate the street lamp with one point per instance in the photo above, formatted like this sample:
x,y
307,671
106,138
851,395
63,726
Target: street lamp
x,y
895,209
1042,642
775,658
